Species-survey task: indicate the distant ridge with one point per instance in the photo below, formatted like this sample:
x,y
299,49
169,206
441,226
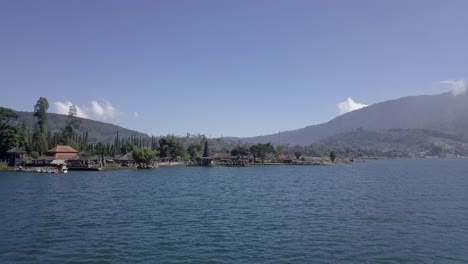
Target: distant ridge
x,y
97,131
443,112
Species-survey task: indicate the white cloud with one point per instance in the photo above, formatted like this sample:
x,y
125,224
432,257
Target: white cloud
x,y
136,115
104,110
458,87
97,110
63,108
349,105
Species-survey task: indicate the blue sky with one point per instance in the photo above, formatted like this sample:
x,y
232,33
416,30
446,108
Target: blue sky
x,y
226,68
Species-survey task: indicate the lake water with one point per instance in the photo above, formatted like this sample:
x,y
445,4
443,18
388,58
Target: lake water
x,y
384,211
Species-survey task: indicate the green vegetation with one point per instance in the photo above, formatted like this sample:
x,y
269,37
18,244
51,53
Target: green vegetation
x,y
9,136
39,135
73,123
6,116
40,111
97,131
397,143
3,166
392,143
194,152
36,140
206,150
297,154
261,151
144,156
48,130
240,151
171,148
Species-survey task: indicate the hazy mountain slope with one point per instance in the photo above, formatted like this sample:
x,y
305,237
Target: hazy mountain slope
x,y
400,142
97,131
443,112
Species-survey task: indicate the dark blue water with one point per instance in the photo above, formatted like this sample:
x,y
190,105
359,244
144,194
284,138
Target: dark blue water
x,y
398,211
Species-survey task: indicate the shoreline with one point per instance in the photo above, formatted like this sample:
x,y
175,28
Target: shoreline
x,y
4,168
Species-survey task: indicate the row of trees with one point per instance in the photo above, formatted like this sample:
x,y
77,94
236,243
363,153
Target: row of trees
x,y
39,139
264,151
258,151
9,135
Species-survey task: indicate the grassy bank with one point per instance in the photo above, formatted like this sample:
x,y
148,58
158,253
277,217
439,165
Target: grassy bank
x,y
4,167
119,168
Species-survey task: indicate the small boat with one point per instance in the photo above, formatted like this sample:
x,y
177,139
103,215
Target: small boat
x,y
146,167
62,169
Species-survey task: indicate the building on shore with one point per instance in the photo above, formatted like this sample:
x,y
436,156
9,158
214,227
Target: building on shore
x,y
60,152
283,158
125,160
16,156
81,161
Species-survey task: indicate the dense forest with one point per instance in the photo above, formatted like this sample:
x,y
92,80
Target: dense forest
x,y
97,131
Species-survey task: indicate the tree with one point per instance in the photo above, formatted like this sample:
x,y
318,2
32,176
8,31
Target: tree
x,y
435,150
266,149
39,141
40,111
261,151
126,147
194,151
240,151
170,146
39,136
143,156
73,122
298,154
23,141
8,140
34,154
6,115
279,149
8,134
206,150
254,150
332,156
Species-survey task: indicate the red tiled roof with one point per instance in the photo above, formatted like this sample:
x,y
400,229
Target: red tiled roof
x,y
64,156
46,158
62,149
58,156
284,157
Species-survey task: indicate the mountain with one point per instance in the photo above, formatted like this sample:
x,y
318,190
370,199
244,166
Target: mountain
x,y
443,112
97,131
397,143
105,132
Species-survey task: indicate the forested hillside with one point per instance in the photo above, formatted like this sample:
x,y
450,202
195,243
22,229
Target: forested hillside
x,y
398,143
443,112
97,131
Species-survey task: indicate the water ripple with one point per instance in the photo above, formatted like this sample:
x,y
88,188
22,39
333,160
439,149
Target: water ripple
x,y
401,211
